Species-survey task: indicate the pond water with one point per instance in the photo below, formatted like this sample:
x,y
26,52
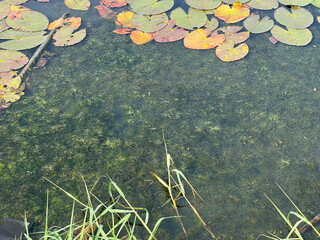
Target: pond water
x,y
234,129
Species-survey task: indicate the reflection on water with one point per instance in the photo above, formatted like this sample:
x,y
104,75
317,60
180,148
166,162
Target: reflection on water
x,y
235,129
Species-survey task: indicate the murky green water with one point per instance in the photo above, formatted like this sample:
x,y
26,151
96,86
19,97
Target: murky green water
x,y
235,130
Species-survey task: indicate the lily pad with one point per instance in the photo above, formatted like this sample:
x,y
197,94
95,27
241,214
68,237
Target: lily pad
x,y
234,1
296,37
114,3
139,37
232,15
4,10
194,18
105,12
198,39
232,34
72,21
299,18
263,4
316,3
66,37
204,4
122,31
20,40
169,33
148,23
149,7
227,52
212,24
10,60
3,25
82,5
30,21
254,25
300,3
125,19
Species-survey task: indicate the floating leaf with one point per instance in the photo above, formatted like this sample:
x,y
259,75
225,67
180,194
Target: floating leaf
x,y
123,31
212,24
10,60
20,40
149,7
231,34
296,37
194,18
16,11
151,23
82,5
300,3
105,12
73,21
4,10
125,19
10,89
227,53
114,3
254,25
3,25
316,3
66,37
204,4
299,18
232,15
30,21
234,1
140,38
169,34
198,39
263,4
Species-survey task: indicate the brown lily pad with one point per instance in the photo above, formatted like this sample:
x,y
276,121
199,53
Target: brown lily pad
x,y
10,60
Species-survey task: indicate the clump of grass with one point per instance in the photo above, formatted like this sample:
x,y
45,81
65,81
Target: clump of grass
x,y
300,218
175,182
121,223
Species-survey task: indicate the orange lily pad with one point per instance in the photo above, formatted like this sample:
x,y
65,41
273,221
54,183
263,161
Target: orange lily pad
x,y
122,31
226,52
232,15
125,19
198,39
114,3
16,11
105,12
139,37
73,21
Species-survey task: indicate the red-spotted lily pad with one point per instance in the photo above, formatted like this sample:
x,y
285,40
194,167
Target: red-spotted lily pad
x,y
20,40
194,18
149,7
152,23
227,52
263,4
139,37
125,19
169,33
254,25
232,15
204,4
82,5
66,37
114,3
300,3
10,60
30,21
198,39
296,37
298,18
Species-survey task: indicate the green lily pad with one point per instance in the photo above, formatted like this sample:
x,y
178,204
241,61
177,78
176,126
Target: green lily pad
x,y
82,5
10,60
212,24
4,10
20,40
194,18
300,3
30,21
3,25
149,7
204,4
254,25
299,18
66,37
148,23
316,3
263,4
233,1
296,37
